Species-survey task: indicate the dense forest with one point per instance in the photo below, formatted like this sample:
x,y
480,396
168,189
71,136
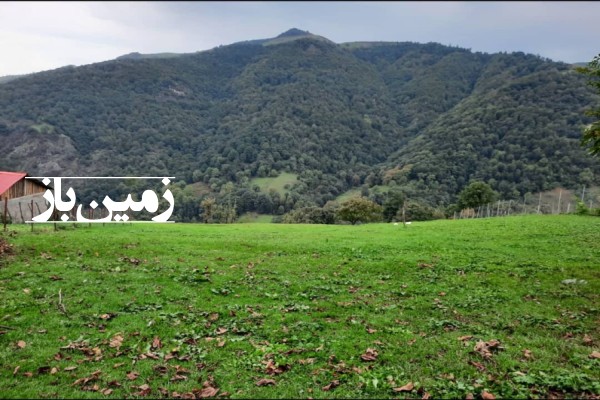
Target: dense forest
x,y
424,119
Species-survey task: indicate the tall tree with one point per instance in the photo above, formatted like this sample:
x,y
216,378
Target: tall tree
x,y
392,204
475,195
207,206
359,209
591,133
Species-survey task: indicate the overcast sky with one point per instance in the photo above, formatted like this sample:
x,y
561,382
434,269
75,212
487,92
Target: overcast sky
x,y
37,36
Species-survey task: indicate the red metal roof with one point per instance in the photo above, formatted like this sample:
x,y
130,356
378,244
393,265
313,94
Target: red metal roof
x,y
7,179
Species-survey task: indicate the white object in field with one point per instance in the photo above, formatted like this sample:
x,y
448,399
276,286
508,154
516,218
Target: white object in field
x,y
408,223
574,282
395,223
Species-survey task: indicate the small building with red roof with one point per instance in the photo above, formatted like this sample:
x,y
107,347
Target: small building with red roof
x,y
21,193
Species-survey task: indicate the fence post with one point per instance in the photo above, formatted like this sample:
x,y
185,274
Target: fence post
x,y
5,211
31,215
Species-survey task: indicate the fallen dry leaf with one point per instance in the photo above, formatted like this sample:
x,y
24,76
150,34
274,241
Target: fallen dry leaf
x,y
70,368
273,369
53,371
106,391
160,369
595,354
43,370
221,331
93,388
406,388
132,375
156,343
116,341
371,331
265,382
332,385
16,369
469,396
369,355
207,392
426,396
587,340
487,396
465,338
477,365
485,349
527,354
82,381
21,344
144,390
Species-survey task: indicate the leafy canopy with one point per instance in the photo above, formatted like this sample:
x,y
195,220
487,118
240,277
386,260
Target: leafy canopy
x,y
591,133
359,209
475,195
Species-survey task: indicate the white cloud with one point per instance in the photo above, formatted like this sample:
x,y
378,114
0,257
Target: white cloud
x,y
36,36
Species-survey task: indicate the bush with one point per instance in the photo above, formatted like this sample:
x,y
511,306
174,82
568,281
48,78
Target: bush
x,y
581,208
359,209
309,215
420,212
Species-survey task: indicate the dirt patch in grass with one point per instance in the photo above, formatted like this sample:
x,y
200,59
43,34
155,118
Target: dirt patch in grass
x,y
5,248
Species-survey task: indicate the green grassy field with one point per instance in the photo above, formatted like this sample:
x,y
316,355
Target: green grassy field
x,y
278,183
254,218
356,192
440,309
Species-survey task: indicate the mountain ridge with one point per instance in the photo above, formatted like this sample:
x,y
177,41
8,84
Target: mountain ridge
x,y
426,118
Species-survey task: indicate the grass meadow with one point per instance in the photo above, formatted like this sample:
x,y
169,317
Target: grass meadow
x,y
502,307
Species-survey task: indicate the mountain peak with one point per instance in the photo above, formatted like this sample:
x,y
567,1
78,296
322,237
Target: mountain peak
x,y
294,32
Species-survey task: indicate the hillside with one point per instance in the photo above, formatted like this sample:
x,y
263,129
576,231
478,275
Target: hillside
x,y
424,116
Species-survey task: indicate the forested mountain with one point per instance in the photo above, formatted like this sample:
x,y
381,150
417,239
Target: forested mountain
x,y
424,117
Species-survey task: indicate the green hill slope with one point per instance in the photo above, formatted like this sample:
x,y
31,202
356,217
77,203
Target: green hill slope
x,y
337,115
